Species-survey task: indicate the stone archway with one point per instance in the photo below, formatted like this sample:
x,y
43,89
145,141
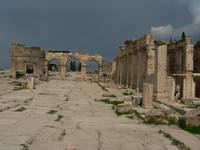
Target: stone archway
x,y
65,57
54,68
98,63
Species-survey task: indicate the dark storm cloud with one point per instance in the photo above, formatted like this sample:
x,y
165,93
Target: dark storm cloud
x,y
93,26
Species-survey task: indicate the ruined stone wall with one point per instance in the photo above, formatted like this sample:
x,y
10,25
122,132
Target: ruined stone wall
x,y
197,59
180,66
146,63
106,70
21,56
136,63
139,66
197,68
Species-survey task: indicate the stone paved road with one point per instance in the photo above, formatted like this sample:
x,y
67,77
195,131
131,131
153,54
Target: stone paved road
x,y
59,114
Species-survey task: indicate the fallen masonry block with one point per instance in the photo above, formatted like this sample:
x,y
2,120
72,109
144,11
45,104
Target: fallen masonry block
x,y
124,109
147,95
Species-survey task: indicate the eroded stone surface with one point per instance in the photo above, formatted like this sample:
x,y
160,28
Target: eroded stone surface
x,y
50,122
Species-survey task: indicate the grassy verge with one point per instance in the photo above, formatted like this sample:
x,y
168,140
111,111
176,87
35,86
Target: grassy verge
x,y
174,141
192,129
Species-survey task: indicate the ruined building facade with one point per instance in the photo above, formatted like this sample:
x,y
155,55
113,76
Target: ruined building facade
x,y
157,68
27,60
35,61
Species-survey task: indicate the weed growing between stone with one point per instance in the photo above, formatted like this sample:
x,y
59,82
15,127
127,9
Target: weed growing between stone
x,y
59,117
21,109
51,112
174,141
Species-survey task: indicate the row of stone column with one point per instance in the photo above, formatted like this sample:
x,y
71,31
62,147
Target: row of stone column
x,y
131,69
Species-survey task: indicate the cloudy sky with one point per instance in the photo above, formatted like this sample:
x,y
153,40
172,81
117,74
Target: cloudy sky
x,y
93,26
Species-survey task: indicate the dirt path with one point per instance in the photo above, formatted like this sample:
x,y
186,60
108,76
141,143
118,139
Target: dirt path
x,y
58,114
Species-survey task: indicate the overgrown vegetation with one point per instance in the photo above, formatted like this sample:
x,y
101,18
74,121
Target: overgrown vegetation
x,y
127,93
51,112
192,129
115,103
188,128
109,95
174,141
21,109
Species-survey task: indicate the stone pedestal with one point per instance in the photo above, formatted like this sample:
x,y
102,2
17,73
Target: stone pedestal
x,y
62,72
83,72
161,72
30,82
147,95
100,72
188,86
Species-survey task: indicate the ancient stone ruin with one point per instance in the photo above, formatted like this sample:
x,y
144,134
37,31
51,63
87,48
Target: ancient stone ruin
x,y
158,69
35,61
150,82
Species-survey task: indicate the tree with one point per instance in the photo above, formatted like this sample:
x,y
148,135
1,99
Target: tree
x,y
79,67
171,41
198,43
74,66
183,35
71,66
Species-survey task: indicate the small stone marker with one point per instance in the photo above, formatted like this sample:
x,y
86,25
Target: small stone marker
x,y
30,82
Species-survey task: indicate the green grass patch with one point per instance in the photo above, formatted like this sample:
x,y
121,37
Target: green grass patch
x,y
109,95
192,129
127,93
2,73
21,109
59,117
51,112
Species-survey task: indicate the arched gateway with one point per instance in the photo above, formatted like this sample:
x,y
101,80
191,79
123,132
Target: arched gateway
x,y
64,57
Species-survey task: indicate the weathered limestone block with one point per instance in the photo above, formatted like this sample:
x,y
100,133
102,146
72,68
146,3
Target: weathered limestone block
x,y
161,72
147,95
170,88
30,82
